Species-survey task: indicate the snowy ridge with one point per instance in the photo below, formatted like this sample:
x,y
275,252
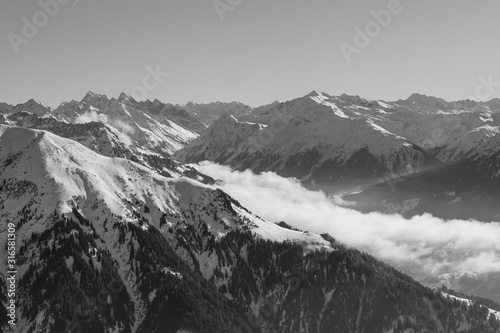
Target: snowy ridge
x,y
79,176
305,132
44,173
318,97
146,230
152,127
32,106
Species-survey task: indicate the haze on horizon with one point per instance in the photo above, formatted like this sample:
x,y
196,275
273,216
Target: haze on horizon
x,y
260,52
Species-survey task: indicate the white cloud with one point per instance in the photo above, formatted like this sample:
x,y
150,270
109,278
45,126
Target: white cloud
x,y
423,246
124,138
122,128
91,116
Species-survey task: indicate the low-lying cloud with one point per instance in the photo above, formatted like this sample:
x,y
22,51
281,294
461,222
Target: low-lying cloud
x,y
122,128
423,246
91,116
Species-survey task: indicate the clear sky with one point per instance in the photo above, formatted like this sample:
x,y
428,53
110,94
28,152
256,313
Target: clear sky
x,y
263,50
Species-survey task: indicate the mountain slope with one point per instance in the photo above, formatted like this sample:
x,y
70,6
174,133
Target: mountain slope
x,y
312,139
347,143
208,113
150,127
467,188
105,140
106,244
42,174
134,251
32,106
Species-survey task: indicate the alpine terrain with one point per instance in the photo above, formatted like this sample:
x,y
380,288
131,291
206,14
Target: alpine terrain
x,y
113,234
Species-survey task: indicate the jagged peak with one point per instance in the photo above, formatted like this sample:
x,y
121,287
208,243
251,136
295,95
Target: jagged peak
x,y
89,95
156,101
72,102
353,98
318,93
33,101
92,97
315,92
33,106
124,97
217,103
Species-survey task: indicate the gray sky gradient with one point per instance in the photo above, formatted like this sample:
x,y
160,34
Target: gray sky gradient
x,y
263,50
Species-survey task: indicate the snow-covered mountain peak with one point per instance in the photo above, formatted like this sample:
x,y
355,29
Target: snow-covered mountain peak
x,y
88,217
151,127
156,102
311,138
89,96
32,106
71,175
96,100
126,99
76,175
33,101
318,93
322,99
72,102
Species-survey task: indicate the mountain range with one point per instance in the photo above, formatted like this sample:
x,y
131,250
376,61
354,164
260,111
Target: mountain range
x,y
115,233
439,156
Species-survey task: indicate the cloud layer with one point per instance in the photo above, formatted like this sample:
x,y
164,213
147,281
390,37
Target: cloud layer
x,y
423,246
